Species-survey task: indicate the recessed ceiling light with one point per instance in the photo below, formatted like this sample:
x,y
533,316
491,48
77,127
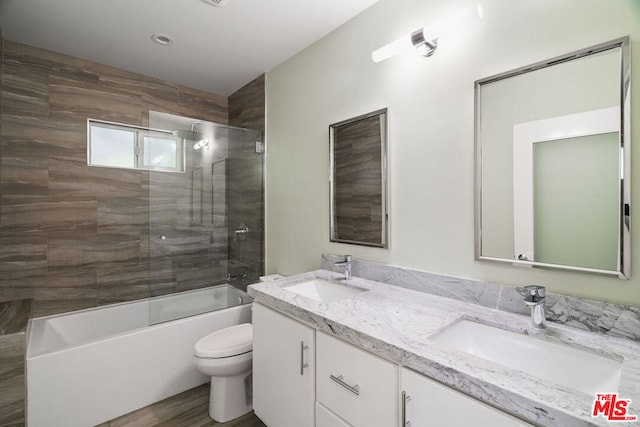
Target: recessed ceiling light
x,y
162,39
216,3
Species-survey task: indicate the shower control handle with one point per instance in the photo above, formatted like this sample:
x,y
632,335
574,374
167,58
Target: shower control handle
x,y
240,233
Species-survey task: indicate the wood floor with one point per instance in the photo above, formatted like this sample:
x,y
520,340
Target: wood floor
x,y
188,409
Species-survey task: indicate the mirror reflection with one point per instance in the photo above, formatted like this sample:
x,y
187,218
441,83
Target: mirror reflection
x,y
552,163
358,150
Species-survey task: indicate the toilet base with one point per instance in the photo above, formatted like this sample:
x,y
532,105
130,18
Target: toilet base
x,y
230,397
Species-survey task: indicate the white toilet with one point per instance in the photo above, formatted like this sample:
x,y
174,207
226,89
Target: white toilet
x,y
226,355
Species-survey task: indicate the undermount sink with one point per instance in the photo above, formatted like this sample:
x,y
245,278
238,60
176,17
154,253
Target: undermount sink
x,y
322,290
575,368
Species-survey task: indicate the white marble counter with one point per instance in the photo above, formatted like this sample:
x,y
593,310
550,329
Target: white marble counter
x,y
396,323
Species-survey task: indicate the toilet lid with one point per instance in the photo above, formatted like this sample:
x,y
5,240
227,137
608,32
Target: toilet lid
x,y
226,342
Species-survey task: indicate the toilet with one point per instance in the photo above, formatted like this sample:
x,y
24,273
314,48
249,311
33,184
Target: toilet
x,y
226,355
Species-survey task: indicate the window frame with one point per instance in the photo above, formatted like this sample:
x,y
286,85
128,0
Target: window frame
x,y
138,146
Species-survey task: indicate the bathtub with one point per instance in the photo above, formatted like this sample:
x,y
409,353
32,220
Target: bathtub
x,y
89,366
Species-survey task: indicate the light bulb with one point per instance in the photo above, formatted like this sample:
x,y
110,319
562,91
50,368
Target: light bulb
x,y
456,22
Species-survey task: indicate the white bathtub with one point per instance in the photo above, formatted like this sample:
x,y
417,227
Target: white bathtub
x,y
90,366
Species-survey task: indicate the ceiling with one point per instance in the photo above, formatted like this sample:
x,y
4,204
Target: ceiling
x,y
216,49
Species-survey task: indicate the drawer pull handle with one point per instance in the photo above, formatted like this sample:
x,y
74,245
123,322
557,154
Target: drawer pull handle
x,y
405,399
302,362
340,380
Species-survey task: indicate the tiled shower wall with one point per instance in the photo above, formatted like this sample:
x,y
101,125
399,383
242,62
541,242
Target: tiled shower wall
x,y
13,318
72,236
246,191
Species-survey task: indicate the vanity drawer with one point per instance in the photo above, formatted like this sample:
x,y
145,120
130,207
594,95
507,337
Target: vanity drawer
x,y
356,385
326,418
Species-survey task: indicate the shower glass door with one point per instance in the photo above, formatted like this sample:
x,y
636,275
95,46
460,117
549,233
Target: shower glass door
x,y
194,217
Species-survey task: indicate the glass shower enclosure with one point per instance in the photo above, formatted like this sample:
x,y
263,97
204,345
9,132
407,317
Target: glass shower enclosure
x,y
206,225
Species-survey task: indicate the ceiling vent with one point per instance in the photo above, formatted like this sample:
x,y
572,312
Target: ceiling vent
x,y
216,3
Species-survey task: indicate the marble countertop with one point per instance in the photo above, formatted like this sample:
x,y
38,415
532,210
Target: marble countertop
x,y
396,324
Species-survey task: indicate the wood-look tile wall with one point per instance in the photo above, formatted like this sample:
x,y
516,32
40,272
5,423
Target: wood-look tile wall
x,y
246,186
13,319
73,236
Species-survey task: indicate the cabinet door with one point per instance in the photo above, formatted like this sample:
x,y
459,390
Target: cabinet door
x,y
356,385
429,403
326,418
283,369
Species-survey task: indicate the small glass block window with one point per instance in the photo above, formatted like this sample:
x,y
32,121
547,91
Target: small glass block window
x,y
130,147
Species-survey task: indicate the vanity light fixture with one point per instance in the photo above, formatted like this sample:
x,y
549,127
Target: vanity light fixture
x,y
415,42
419,42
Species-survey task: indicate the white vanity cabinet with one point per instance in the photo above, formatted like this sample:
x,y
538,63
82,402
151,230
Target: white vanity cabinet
x,y
357,386
304,378
425,402
283,369
326,418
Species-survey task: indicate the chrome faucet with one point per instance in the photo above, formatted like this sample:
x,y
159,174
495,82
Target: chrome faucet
x,y
231,278
534,298
346,263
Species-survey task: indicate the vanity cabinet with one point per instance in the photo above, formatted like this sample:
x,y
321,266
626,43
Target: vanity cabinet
x,y
304,378
354,384
425,402
326,418
283,369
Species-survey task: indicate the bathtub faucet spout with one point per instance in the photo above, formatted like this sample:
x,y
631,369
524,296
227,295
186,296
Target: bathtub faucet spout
x,y
231,278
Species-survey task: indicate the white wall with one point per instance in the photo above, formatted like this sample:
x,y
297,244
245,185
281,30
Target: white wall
x,y
431,143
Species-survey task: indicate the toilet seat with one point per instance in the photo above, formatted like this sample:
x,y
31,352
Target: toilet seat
x,y
226,342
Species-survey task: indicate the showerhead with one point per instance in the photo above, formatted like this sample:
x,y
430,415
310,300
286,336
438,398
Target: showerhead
x,y
190,135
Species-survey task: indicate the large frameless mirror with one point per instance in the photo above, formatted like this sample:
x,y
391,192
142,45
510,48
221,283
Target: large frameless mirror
x,y
553,165
358,178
